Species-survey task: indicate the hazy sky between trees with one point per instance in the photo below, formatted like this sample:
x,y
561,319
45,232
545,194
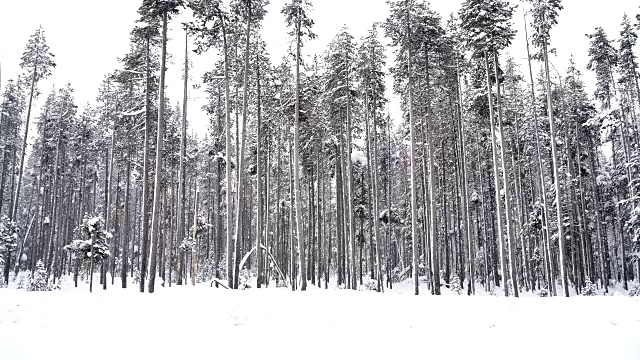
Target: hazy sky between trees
x,y
87,37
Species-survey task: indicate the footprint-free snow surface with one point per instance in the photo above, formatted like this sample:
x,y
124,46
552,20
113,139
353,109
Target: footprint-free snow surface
x,y
207,323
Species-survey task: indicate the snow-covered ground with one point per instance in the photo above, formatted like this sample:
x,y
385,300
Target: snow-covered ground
x,y
208,323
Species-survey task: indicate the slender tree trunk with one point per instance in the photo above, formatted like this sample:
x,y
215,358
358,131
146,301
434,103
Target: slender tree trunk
x,y
496,179
506,183
292,252
240,186
598,219
297,164
229,215
14,211
556,174
320,216
155,215
183,155
376,208
279,238
127,222
389,209
350,192
259,214
465,196
339,216
525,256
144,254
108,194
194,250
481,205
546,238
414,202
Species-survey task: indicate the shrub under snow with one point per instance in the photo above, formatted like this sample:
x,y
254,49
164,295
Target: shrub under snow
x,y
40,280
455,285
589,289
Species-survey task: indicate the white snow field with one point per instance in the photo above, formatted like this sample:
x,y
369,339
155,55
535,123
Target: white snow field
x,y
208,323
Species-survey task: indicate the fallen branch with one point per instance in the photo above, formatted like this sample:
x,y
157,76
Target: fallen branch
x,y
218,282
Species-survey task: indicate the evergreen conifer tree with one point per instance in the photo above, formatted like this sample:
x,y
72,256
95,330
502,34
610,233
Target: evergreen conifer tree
x,y
37,62
40,279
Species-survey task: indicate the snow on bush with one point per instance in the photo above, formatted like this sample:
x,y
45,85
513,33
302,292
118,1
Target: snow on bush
x,y
455,285
589,289
92,242
8,238
492,289
24,278
136,276
634,290
245,280
40,280
206,271
358,158
369,285
543,293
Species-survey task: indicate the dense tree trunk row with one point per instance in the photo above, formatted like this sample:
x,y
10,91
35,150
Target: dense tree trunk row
x,y
316,186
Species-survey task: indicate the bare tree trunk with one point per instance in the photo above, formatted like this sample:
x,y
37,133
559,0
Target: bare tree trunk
x,y
339,216
376,210
183,155
194,250
414,202
546,238
465,196
267,226
14,211
240,186
297,164
144,254
259,215
496,179
556,174
389,209
127,221
350,194
229,216
506,182
320,216
155,215
292,255
108,193
55,199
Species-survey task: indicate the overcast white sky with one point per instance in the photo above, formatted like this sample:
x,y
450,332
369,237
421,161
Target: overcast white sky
x,y
87,37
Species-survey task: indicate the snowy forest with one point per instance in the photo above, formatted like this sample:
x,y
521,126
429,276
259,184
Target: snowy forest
x,y
502,176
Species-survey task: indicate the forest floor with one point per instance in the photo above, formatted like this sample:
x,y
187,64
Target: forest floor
x,y
184,322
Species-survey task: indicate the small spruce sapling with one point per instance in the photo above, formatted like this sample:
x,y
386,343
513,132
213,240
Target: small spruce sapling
x,y
92,243
492,289
8,244
455,285
24,277
245,280
40,281
589,289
